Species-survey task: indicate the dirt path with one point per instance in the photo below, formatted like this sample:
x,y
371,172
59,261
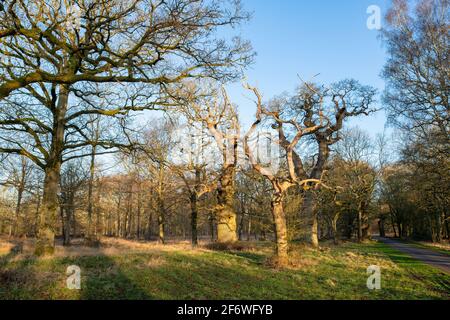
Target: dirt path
x,y
433,258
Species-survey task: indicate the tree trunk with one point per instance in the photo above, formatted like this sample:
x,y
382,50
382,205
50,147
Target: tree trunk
x,y
310,216
149,225
194,215
249,228
442,232
91,237
334,228
20,191
360,224
279,219
139,205
241,227
118,226
211,227
161,238
226,214
98,225
66,219
124,224
36,218
45,243
382,227
393,226
309,204
447,227
74,223
400,229
161,206
161,219
129,220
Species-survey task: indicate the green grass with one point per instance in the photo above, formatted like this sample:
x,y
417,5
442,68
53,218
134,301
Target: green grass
x,y
330,273
427,275
430,247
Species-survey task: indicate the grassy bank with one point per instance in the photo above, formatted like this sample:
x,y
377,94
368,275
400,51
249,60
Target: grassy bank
x,y
443,248
178,272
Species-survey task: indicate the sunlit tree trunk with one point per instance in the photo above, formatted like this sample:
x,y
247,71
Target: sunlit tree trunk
x,y
279,219
161,210
161,237
360,214
226,214
334,228
159,197
161,220
45,243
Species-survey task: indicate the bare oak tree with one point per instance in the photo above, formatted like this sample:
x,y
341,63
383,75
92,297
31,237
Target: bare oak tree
x,y
326,108
211,107
281,180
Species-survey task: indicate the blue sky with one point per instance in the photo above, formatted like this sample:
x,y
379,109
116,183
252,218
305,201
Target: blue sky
x,y
308,37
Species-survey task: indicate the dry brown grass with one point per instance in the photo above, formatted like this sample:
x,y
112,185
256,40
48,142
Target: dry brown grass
x,y
108,247
156,262
5,247
239,246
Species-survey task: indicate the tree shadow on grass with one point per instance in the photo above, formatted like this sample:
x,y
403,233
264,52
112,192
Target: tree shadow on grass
x,y
103,279
257,258
217,277
179,277
44,279
16,275
404,260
